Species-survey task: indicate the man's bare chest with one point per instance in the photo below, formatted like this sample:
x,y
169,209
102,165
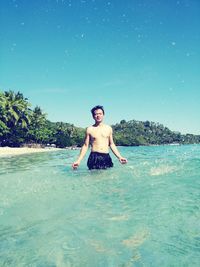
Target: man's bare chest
x,y
100,133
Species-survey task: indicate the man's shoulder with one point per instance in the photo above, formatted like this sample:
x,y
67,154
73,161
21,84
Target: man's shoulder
x,y
89,128
108,126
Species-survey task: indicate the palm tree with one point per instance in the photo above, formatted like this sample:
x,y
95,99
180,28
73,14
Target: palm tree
x,y
38,127
38,117
15,109
15,115
2,107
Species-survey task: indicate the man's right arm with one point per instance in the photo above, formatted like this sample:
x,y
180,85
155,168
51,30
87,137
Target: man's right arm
x,y
83,150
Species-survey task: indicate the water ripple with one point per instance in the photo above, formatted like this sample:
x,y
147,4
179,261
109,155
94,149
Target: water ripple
x,y
147,211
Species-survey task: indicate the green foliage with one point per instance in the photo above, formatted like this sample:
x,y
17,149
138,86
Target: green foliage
x,y
134,133
15,115
14,109
19,124
38,131
3,129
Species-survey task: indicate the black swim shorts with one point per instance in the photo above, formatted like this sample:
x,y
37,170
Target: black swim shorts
x,y
98,160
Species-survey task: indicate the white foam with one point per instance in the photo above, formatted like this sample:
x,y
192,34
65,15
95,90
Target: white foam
x,y
162,169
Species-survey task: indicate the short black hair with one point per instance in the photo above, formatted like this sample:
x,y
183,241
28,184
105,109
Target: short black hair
x,y
95,108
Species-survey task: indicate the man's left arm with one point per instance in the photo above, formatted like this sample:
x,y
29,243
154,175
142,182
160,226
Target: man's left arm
x,y
114,148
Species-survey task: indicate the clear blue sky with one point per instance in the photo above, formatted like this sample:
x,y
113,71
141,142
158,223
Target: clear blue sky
x,y
140,59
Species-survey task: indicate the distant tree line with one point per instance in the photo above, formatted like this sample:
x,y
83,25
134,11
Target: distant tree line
x,y
21,125
135,133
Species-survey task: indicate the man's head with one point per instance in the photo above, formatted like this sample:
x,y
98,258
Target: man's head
x,y
98,113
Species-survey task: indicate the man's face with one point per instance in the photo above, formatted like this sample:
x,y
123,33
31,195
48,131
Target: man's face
x,y
98,115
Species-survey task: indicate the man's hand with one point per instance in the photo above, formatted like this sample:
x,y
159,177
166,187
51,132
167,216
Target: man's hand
x,y
75,165
123,160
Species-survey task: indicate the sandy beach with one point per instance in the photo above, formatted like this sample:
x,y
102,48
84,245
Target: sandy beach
x,y
14,151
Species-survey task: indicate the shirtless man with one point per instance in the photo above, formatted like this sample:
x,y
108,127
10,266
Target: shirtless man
x,y
100,136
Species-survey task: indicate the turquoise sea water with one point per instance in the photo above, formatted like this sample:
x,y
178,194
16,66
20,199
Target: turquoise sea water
x,y
145,213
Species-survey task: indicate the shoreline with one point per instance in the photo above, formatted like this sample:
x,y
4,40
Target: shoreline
x,y
15,151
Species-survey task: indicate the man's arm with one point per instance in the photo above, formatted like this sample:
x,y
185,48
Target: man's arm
x,y
83,151
115,150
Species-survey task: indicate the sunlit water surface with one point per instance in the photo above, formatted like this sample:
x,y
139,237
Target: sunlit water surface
x,y
145,213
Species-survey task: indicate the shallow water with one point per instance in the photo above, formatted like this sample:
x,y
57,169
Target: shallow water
x,y
145,213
